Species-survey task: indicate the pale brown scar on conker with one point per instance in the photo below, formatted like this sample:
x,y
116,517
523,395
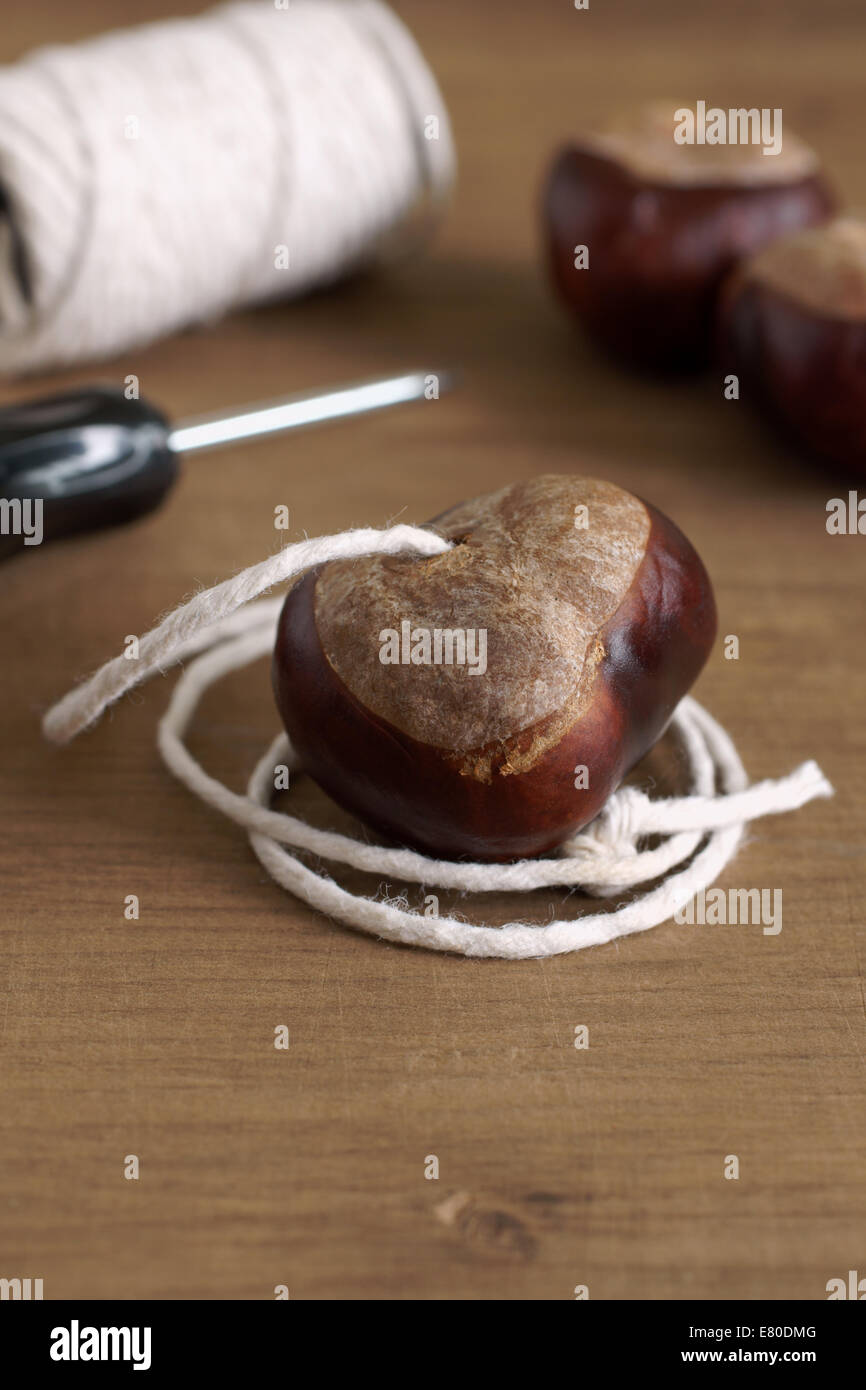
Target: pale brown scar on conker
x,y
823,268
642,140
541,588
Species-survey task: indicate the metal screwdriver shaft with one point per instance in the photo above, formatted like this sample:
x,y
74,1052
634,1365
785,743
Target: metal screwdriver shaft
x,y
356,398
92,458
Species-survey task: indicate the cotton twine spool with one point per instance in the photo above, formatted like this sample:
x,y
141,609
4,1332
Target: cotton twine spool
x,y
155,177
222,633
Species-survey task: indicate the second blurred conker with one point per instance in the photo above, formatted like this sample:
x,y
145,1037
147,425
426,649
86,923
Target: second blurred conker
x,y
793,331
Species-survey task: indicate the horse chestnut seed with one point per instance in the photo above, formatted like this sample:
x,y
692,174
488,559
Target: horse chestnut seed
x,y
486,701
793,330
662,224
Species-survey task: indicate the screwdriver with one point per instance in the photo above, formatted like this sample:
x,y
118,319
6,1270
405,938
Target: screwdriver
x,y
93,458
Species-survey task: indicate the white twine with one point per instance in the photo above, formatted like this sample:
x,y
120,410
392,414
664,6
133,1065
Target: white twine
x,y
225,630
151,176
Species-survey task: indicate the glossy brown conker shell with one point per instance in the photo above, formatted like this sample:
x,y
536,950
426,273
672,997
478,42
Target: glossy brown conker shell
x,y
650,651
796,339
658,252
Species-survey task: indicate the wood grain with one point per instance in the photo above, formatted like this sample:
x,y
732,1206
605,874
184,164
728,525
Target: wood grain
x,y
558,1167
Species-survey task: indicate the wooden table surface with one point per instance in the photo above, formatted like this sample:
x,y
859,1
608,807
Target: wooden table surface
x,y
558,1167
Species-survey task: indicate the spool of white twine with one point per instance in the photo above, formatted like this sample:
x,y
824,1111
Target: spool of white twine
x,y
224,630
155,177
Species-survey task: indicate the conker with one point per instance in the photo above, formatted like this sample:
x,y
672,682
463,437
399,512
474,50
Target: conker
x,y
663,223
597,616
793,330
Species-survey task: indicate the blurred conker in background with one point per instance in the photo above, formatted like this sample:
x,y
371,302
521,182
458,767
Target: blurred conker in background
x,y
663,223
792,328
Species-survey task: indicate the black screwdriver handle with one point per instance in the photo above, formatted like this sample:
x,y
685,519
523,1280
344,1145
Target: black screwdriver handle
x,y
79,461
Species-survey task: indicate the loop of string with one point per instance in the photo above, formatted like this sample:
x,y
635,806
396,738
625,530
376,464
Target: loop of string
x,y
230,626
